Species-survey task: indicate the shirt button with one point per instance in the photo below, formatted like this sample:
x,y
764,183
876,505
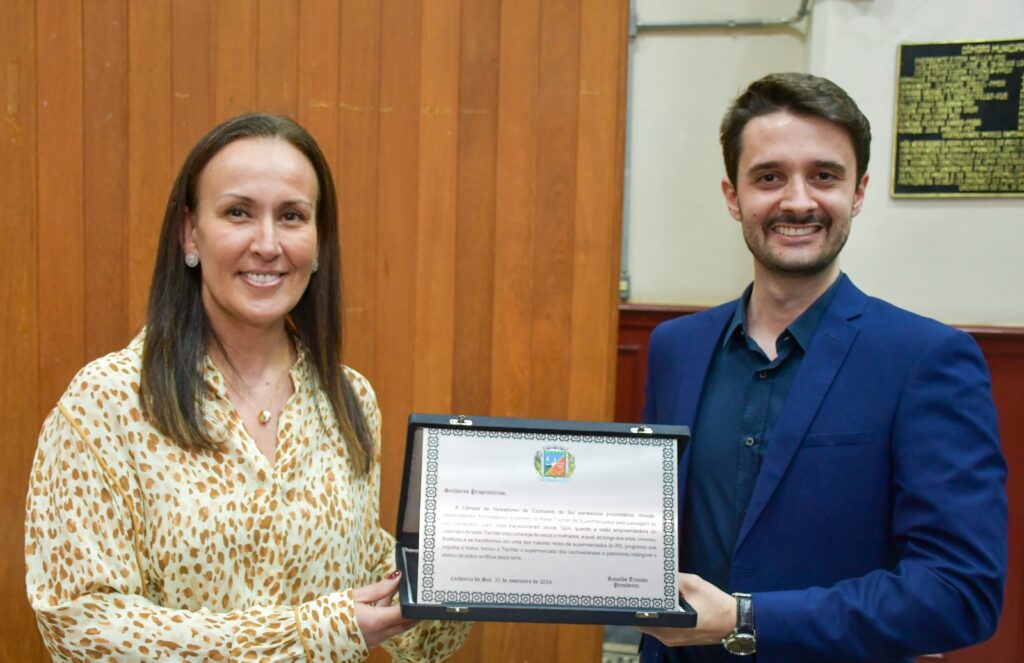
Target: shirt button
x,y
762,374
750,441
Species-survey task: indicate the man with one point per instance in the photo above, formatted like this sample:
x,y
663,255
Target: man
x,y
844,480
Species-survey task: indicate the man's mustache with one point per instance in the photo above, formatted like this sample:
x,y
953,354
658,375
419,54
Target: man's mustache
x,y
790,219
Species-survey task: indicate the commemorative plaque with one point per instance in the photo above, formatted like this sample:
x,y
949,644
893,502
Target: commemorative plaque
x,y
541,521
959,129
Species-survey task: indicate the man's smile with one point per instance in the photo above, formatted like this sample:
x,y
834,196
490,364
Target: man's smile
x,y
796,231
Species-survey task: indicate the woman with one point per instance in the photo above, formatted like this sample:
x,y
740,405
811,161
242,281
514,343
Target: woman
x,y
210,492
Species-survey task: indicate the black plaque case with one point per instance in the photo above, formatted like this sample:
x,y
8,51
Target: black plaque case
x,y
408,535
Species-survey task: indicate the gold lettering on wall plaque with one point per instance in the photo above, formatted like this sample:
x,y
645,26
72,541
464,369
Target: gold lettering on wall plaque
x,y
959,127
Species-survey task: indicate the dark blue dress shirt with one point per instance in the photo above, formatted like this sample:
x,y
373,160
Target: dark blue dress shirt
x,y
742,395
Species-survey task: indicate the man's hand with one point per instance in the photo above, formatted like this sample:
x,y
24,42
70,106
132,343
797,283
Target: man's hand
x,y
716,615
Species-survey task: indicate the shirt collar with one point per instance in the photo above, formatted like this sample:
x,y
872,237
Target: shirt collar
x,y
802,329
739,316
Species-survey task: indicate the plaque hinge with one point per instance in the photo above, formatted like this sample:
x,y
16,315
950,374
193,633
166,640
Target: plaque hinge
x,y
646,615
642,430
456,610
461,420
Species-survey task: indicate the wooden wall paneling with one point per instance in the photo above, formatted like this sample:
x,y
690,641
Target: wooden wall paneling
x,y
149,144
105,109
512,304
397,195
475,314
456,132
515,208
236,42
278,56
603,36
555,169
598,178
549,327
628,395
636,321
578,643
358,146
474,241
320,52
318,42
506,642
436,212
19,325
191,75
61,234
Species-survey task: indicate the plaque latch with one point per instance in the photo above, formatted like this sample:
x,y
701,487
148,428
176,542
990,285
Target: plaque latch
x,y
642,430
461,420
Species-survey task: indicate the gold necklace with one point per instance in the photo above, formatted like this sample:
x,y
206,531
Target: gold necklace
x,y
263,415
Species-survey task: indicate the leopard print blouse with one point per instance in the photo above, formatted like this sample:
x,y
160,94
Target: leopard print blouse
x,y
137,550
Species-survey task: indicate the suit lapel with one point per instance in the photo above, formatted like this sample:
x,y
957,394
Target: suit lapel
x,y
818,370
699,347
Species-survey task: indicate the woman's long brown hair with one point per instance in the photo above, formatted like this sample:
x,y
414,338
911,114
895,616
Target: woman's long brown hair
x,y
178,329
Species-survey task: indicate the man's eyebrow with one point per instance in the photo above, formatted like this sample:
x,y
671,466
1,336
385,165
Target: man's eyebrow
x,y
821,164
834,166
762,166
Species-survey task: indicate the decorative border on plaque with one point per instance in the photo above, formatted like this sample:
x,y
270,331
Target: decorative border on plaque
x,y
526,599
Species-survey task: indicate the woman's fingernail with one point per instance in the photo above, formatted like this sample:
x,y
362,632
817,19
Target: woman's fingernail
x,y
394,574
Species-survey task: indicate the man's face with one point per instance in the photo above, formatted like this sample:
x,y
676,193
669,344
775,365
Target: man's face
x,y
796,192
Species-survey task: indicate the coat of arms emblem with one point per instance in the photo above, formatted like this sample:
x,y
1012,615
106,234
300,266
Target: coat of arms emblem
x,y
554,463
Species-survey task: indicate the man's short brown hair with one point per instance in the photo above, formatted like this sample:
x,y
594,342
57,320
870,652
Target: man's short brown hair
x,y
800,94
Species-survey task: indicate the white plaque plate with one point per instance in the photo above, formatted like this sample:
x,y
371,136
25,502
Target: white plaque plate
x,y
544,519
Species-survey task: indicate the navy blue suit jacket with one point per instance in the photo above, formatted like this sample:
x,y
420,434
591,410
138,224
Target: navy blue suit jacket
x,y
877,529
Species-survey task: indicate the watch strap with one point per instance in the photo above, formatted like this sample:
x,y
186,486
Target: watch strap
x,y
742,641
744,612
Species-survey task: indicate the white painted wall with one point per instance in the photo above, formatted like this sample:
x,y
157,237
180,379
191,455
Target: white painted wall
x,y
958,260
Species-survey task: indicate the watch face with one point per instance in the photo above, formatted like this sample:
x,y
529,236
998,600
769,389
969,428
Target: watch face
x,y
742,644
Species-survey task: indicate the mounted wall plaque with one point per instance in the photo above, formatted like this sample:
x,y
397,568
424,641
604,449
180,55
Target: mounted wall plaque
x,y
959,127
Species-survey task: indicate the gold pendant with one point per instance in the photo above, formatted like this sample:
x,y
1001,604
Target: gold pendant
x,y
264,416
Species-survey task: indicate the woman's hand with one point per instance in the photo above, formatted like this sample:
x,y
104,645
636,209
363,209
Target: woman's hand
x,y
716,615
377,618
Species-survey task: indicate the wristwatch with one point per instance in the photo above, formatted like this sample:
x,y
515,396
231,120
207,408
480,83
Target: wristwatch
x,y
742,640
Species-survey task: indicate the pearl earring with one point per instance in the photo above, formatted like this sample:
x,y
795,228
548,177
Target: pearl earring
x,y
316,266
192,260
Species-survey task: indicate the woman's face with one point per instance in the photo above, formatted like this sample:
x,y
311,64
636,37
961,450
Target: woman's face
x,y
254,230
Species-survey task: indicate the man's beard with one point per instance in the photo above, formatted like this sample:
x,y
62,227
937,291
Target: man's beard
x,y
779,265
